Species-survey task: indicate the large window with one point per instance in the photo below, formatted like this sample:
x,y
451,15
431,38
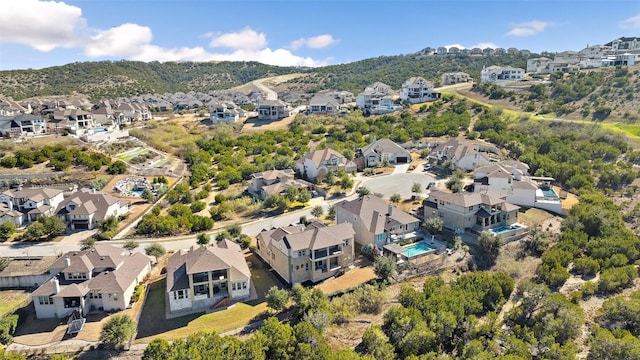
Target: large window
x,y
45,300
179,294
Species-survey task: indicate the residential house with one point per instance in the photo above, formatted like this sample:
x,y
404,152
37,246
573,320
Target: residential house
x,y
453,50
75,121
465,52
626,59
25,272
204,277
134,111
22,125
476,51
372,95
320,162
418,90
23,206
524,52
83,209
564,67
465,211
386,105
464,154
511,180
226,112
323,104
101,278
8,107
536,65
376,222
275,182
383,150
625,45
498,73
451,78
499,51
596,51
311,253
512,51
273,110
569,57
488,51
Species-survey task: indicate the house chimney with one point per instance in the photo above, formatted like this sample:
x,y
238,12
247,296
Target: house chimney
x,y
390,210
67,261
56,285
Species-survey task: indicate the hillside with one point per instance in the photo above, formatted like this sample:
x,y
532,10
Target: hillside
x,y
605,93
125,78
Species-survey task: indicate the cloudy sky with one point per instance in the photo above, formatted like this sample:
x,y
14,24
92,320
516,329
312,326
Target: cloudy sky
x,y
36,34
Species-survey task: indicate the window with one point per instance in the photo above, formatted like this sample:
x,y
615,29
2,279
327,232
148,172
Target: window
x,y
233,286
307,266
345,242
45,300
113,297
244,285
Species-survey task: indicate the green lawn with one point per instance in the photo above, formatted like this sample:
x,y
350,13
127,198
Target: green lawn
x,y
12,300
130,154
633,130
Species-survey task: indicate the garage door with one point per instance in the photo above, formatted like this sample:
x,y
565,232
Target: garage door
x,y
402,159
81,226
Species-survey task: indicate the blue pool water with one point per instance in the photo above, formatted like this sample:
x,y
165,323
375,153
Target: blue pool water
x,y
100,130
417,249
137,192
501,229
549,193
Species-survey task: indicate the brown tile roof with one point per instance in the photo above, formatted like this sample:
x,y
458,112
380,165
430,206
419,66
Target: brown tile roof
x,y
374,212
33,194
89,202
72,290
318,157
466,199
315,236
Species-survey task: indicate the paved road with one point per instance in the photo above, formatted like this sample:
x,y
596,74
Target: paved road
x,y
271,95
397,184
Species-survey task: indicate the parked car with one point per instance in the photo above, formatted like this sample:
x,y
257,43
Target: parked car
x,y
428,166
431,185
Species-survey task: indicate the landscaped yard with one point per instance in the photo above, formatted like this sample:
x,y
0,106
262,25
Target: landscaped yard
x,y
130,154
534,217
11,300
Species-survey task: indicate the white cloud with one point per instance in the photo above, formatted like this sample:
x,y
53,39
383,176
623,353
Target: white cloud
x,y
43,25
315,42
46,25
631,23
484,45
528,28
124,40
459,46
246,38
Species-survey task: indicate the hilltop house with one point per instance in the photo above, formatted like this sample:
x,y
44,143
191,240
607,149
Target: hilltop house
x,y
497,74
76,121
323,104
310,253
464,154
274,182
273,110
22,125
132,112
320,162
418,90
372,95
226,112
511,179
451,78
625,45
84,208
375,221
465,211
23,206
380,151
101,278
204,277
536,65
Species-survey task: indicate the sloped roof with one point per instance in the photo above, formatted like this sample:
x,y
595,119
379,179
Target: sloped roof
x,y
318,157
317,236
322,99
382,146
376,213
36,195
466,199
89,202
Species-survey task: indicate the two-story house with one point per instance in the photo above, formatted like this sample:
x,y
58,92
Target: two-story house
x,y
76,121
451,78
274,182
537,65
101,278
463,211
84,208
323,104
223,112
23,206
320,162
464,154
498,73
310,253
22,125
418,90
375,221
372,95
208,276
382,150
273,110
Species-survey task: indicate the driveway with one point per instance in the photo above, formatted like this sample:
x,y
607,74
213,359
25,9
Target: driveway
x,y
397,183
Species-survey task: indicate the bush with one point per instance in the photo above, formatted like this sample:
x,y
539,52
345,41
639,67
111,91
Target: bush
x,y
8,326
138,292
117,330
615,279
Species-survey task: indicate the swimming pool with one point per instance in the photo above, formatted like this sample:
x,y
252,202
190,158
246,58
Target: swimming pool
x,y
505,228
549,193
420,248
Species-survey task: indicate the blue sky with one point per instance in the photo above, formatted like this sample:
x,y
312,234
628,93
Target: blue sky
x,y
36,34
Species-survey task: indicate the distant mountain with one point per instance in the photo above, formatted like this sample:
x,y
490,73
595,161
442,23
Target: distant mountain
x,y
125,78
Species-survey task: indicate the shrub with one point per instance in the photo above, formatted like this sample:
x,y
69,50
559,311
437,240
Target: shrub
x,y
8,326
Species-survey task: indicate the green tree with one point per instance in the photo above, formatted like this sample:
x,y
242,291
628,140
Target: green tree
x,y
363,191
416,189
489,246
331,213
317,211
384,267
148,195
277,298
155,249
376,344
117,167
203,239
434,225
395,198
304,196
117,330
87,243
130,246
7,228
346,183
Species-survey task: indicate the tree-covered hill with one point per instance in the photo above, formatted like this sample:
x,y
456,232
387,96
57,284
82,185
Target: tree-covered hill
x,y
125,78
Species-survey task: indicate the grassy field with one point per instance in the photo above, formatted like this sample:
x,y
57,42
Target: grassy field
x,y
11,300
534,216
632,130
130,154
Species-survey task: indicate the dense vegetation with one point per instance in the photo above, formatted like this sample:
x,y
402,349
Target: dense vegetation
x,y
59,158
126,78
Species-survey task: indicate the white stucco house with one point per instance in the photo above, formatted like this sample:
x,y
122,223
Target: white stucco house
x,y
223,112
320,162
83,209
23,206
418,90
206,277
499,73
382,150
464,154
